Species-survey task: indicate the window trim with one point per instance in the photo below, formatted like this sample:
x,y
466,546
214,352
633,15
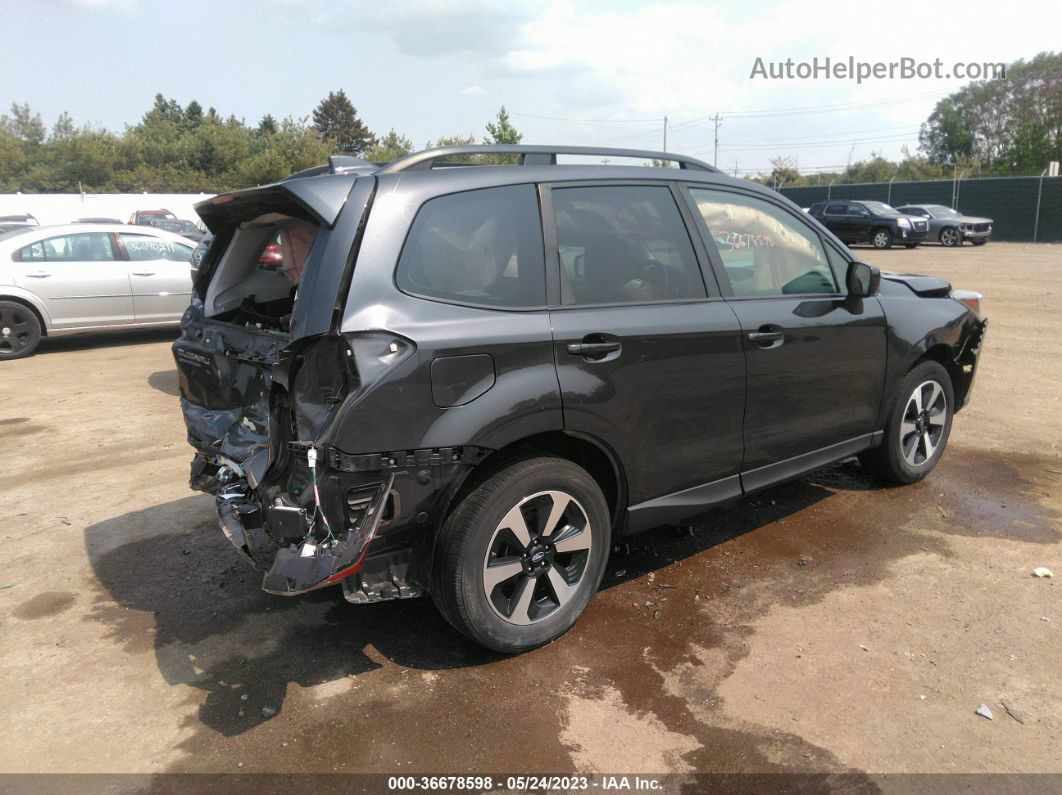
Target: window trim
x,y
473,304
716,257
553,261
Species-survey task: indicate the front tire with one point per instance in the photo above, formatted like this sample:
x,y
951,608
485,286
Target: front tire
x,y
979,242
519,558
950,237
917,428
20,330
882,238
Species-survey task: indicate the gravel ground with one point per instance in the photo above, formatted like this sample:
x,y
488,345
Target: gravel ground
x,y
828,626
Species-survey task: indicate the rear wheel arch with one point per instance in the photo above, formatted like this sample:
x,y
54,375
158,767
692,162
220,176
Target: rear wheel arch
x,y
30,306
596,458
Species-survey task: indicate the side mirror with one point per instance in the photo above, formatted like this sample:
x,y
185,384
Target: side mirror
x,y
862,280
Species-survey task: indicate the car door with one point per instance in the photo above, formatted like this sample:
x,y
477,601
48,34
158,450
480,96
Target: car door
x,y
835,218
815,356
649,362
79,277
859,223
160,273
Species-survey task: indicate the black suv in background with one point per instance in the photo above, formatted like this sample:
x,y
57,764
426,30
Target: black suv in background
x,y
469,382
870,222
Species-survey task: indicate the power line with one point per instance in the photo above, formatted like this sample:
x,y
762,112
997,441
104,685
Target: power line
x,y
580,120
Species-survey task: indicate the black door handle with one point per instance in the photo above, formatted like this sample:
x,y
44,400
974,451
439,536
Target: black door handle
x,y
592,348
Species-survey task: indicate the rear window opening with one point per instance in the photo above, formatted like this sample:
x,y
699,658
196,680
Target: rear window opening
x,y
256,280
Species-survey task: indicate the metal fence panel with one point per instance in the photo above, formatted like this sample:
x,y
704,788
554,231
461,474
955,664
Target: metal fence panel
x,y
1011,202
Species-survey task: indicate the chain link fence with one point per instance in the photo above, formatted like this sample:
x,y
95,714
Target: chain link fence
x,y
1022,209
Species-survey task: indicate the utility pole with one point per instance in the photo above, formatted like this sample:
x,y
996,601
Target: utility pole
x,y
665,134
718,121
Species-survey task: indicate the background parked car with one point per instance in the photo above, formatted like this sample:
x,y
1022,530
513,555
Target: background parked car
x,y
950,226
200,250
870,222
144,217
57,280
9,222
185,229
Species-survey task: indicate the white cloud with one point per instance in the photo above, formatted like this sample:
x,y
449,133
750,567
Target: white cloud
x,y
475,91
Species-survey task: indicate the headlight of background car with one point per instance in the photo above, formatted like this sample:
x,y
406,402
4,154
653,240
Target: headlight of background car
x,y
903,223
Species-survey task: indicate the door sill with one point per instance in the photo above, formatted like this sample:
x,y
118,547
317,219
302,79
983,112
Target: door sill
x,y
673,508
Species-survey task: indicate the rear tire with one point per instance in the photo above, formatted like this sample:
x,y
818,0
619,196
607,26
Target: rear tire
x,y
519,558
882,238
917,428
20,330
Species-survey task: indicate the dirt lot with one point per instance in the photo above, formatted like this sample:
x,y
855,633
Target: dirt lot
x,y
829,625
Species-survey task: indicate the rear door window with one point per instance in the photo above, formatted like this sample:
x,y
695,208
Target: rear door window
x,y
624,244
480,247
142,248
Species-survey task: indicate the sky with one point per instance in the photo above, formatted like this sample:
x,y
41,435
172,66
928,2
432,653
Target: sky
x,y
594,73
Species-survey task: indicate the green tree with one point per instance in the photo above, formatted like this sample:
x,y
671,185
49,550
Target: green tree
x,y
267,126
336,120
193,114
24,124
452,140
391,147
502,131
1010,125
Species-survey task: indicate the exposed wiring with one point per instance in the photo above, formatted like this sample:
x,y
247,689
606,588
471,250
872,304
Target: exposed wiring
x,y
311,460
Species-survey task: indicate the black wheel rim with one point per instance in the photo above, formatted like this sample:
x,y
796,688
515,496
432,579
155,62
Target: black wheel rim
x,y
16,330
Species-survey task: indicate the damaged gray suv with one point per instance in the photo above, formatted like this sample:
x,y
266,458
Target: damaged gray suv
x,y
471,381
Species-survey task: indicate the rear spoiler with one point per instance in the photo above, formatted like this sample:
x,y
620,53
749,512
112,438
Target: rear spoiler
x,y
314,198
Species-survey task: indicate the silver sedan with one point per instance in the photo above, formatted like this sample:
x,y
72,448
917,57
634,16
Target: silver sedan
x,y
57,280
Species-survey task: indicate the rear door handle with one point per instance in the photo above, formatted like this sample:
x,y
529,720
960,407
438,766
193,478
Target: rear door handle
x,y
39,275
143,273
593,348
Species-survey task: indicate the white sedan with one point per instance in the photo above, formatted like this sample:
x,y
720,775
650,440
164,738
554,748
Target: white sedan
x,y
57,280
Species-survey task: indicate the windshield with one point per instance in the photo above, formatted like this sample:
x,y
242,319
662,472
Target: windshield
x,y
881,208
940,211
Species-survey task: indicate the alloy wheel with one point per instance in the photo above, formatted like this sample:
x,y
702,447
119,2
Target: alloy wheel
x,y
16,330
922,426
537,557
881,239
949,236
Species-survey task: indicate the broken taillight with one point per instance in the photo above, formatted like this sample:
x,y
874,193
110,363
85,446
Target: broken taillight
x,y
271,256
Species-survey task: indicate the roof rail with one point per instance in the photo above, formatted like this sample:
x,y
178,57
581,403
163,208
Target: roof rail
x,y
534,156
